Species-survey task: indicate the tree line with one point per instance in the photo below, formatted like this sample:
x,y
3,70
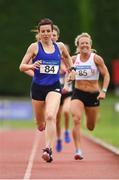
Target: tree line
x,y
98,18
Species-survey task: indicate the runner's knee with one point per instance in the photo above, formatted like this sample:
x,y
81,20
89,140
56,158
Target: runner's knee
x,y
49,116
76,120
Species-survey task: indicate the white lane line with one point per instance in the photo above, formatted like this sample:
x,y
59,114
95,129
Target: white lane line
x,y
32,156
107,146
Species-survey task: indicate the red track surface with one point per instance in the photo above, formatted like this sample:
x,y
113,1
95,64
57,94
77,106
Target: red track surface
x,y
20,159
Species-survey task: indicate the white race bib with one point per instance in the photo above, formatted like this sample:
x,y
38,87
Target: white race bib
x,y
84,72
49,69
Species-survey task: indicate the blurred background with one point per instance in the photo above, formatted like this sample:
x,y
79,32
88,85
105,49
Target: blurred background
x,y
99,18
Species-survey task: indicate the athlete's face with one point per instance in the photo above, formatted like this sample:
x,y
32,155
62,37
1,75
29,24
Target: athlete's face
x,y
84,45
55,36
45,32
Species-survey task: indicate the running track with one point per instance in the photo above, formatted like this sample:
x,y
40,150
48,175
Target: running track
x,y
20,158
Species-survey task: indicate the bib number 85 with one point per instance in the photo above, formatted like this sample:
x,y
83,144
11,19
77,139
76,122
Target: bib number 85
x,y
82,73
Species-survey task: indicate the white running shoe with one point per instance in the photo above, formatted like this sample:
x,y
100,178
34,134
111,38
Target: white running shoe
x,y
78,155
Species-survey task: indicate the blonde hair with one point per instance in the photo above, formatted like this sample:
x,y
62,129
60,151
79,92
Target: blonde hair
x,y
56,28
36,34
84,34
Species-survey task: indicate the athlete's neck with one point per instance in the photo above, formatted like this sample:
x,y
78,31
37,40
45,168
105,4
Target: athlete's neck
x,y
48,47
84,56
47,43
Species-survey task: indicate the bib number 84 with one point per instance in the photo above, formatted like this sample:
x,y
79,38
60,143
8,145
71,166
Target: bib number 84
x,y
48,69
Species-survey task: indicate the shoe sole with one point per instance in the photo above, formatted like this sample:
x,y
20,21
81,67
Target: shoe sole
x,y
78,157
46,157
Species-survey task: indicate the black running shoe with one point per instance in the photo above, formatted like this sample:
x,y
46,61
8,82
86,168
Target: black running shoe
x,y
47,155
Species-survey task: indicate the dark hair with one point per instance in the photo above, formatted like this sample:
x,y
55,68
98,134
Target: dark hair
x,y
55,27
45,21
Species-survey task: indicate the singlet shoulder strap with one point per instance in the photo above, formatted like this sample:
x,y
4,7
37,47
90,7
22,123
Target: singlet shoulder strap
x,y
93,55
39,46
77,58
56,47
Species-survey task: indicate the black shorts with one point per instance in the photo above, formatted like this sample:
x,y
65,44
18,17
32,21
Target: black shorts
x,y
64,96
88,99
39,92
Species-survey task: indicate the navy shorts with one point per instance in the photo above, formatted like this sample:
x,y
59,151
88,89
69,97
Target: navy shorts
x,y
64,96
88,99
39,92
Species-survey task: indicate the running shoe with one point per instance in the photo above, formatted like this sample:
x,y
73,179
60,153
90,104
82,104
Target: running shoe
x,y
47,155
59,145
67,138
78,155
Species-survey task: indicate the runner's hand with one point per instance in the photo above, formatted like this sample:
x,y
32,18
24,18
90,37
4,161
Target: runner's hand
x,y
101,95
71,76
36,65
65,89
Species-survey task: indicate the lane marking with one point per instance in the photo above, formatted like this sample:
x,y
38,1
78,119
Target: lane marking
x,y
32,156
105,145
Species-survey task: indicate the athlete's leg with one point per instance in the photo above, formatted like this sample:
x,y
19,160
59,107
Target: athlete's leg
x,y
77,109
51,109
91,117
38,108
58,131
58,123
66,113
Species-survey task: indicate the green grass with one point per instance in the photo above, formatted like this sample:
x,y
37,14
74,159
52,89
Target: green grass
x,y
13,124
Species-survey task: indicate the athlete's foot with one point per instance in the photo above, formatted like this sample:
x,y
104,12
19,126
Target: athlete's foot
x,y
78,155
59,145
47,155
67,138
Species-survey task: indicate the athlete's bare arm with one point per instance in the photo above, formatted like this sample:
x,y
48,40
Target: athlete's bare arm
x,y
66,57
103,70
30,54
73,58
30,72
67,60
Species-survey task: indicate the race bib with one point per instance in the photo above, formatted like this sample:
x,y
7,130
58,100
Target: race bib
x,y
84,72
49,69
